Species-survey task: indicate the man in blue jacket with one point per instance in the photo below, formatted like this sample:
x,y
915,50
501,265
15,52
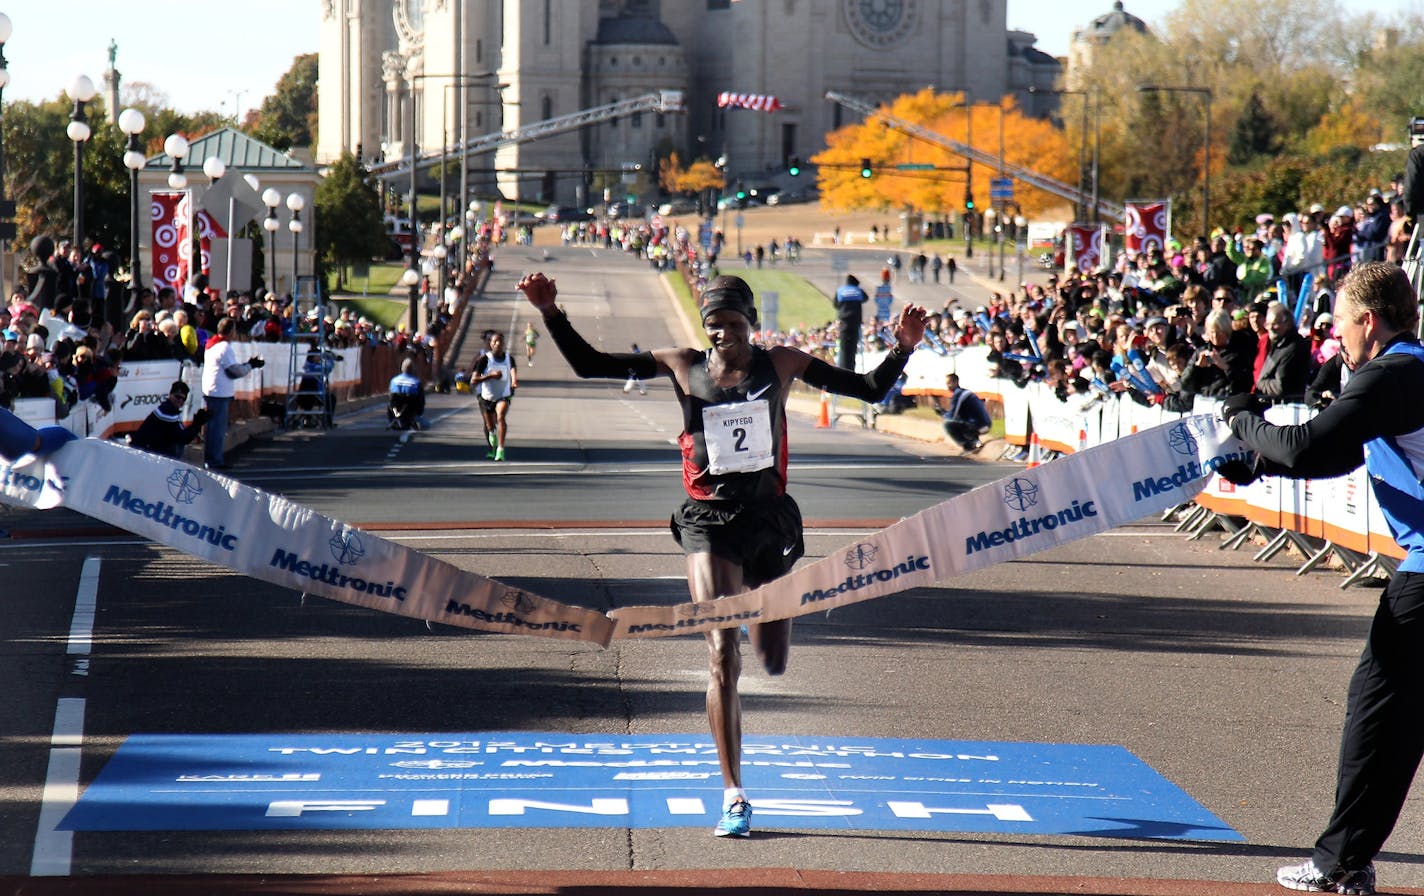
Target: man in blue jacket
x,y
1376,316
850,299
963,415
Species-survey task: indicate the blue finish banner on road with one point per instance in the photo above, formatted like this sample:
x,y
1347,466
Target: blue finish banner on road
x,y
540,780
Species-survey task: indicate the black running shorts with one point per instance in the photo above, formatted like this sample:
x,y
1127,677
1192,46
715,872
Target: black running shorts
x,y
489,406
764,538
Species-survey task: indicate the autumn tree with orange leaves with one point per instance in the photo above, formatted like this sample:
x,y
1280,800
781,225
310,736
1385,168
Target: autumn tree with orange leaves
x,y
1031,143
700,175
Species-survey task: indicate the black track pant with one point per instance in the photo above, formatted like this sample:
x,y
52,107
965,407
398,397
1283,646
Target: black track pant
x,y
1384,731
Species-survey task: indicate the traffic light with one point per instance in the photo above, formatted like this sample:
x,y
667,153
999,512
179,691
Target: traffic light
x,y
865,171
741,195
793,167
968,201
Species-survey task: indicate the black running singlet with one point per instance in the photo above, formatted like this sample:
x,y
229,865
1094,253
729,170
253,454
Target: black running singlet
x,y
734,440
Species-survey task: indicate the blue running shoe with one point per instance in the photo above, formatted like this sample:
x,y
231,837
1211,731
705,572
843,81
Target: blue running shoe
x,y
736,820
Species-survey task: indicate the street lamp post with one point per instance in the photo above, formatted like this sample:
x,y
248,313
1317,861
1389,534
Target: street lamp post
x,y
295,203
131,122
999,222
1205,93
176,146
215,168
78,130
7,210
413,296
1082,145
271,198
410,278
968,179
1020,224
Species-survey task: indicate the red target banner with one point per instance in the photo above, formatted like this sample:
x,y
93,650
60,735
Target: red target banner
x,y
171,242
1146,225
172,222
1087,243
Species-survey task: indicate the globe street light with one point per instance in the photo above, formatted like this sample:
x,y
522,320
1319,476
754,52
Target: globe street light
x,y
295,202
7,208
271,198
410,278
78,130
131,122
176,145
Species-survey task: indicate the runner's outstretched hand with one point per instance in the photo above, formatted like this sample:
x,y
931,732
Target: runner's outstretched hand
x,y
539,290
909,327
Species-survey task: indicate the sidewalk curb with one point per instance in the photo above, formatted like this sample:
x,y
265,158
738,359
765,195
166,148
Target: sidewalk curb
x,y
904,427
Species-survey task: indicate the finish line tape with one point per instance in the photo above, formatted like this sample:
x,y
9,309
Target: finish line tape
x,y
270,538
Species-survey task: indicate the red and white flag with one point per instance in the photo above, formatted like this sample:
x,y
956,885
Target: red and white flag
x,y
756,101
1087,243
1147,225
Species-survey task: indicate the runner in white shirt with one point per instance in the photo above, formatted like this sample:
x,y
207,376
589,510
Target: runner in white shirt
x,y
496,376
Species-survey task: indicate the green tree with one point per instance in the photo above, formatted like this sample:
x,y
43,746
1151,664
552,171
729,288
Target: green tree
x,y
1255,133
288,117
40,168
349,225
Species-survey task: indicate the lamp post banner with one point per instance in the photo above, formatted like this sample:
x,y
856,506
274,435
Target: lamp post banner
x,y
169,229
1147,225
208,230
270,538
1087,244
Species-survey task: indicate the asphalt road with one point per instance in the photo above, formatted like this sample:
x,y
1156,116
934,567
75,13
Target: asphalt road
x,y
1225,676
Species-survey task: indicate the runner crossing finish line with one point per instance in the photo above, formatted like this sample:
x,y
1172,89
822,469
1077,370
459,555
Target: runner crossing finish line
x,y
270,538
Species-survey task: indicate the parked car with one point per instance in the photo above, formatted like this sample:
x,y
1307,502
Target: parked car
x,y
621,209
791,197
678,207
563,214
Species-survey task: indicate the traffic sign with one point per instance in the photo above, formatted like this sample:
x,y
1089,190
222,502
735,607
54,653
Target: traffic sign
x,y
770,309
915,166
1001,189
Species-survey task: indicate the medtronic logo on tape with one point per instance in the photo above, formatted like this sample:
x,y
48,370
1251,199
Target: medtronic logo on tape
x,y
163,514
859,557
1021,494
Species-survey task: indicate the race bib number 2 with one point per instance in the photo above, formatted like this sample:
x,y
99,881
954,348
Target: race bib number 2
x,y
738,436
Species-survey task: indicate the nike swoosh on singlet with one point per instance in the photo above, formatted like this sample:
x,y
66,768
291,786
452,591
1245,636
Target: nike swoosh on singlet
x,y
753,396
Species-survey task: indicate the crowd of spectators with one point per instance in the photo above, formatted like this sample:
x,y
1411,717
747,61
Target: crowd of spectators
x,y
1239,312
55,342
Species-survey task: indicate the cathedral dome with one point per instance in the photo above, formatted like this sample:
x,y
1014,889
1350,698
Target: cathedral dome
x,y
1109,24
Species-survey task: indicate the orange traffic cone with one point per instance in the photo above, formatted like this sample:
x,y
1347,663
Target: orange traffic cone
x,y
824,422
1035,452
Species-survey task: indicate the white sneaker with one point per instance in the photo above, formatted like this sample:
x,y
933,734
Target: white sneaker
x,y
1310,879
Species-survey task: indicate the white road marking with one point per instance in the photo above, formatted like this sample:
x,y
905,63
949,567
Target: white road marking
x,y
53,854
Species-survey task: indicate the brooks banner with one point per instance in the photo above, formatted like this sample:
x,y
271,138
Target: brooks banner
x,y
270,538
